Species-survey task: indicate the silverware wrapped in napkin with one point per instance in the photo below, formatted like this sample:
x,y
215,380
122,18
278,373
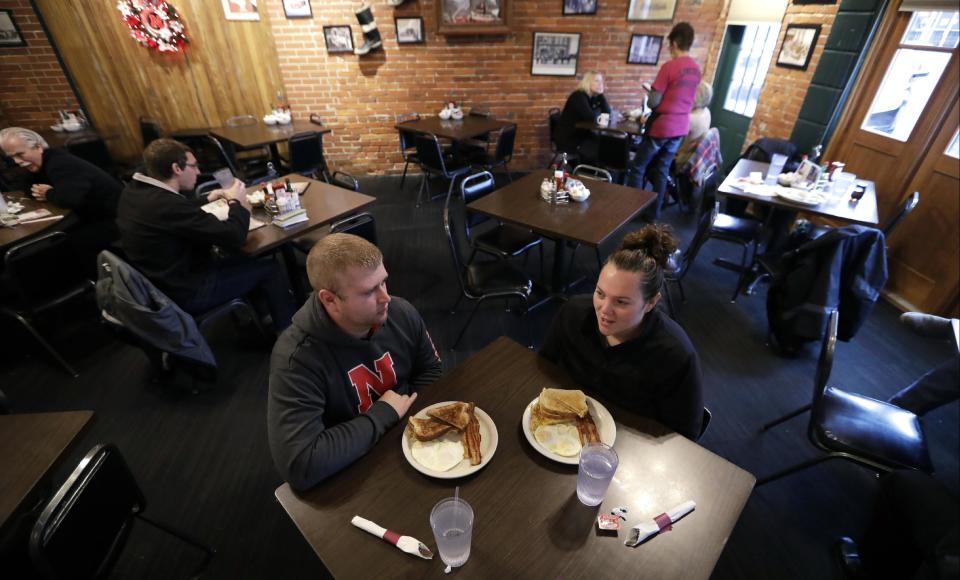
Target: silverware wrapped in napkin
x,y
659,524
406,543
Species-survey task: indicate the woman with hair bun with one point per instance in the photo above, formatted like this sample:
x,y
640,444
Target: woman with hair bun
x,y
624,348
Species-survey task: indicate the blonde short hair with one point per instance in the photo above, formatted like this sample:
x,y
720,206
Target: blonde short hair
x,y
587,80
333,255
704,95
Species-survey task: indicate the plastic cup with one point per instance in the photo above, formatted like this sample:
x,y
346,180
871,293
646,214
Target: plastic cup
x,y
598,463
452,523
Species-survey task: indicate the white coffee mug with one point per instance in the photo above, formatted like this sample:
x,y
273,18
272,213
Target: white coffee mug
x,y
603,120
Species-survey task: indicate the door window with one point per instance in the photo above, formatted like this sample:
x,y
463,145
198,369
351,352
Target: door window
x,y
913,74
953,149
759,40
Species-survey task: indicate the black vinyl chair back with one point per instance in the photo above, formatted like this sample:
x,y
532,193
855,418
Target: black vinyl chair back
x,y
592,172
205,188
407,136
210,153
908,205
42,268
241,121
450,229
316,120
825,362
361,224
705,422
85,526
505,143
480,111
553,121
306,152
345,180
613,150
92,149
430,153
149,130
704,222
474,187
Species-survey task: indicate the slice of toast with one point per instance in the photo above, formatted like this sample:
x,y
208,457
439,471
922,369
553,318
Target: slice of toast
x,y
455,414
427,429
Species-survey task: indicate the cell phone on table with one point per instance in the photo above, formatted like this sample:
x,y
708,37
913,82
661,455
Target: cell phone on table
x,y
224,177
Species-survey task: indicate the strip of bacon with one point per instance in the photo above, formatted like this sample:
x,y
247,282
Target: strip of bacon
x,y
471,438
587,430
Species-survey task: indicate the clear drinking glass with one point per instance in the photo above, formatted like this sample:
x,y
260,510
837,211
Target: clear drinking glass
x,y
452,523
598,463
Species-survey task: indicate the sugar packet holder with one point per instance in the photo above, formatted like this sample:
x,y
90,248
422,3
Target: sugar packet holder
x,y
658,525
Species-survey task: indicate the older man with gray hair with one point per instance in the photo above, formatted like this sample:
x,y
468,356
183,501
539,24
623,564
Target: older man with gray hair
x,y
55,176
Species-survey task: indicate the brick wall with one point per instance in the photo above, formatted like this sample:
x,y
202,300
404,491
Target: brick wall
x,y
785,88
34,86
359,96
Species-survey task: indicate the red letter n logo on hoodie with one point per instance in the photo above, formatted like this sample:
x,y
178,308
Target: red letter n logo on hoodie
x,y
364,380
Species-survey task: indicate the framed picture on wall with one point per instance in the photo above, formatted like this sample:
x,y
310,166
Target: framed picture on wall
x,y
241,9
814,1
644,49
409,30
574,7
297,9
651,9
798,43
9,31
339,38
461,17
555,53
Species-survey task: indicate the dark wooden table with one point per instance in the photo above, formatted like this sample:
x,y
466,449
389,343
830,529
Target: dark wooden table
x,y
20,232
58,139
837,207
529,522
632,128
609,207
31,446
261,135
469,127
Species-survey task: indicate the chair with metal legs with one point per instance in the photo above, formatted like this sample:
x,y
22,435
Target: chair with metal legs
x,y
849,426
434,163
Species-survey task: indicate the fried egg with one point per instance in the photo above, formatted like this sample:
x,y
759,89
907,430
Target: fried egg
x,y
439,455
562,438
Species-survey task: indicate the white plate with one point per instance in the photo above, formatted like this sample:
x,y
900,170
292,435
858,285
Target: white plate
x,y
488,445
601,416
800,196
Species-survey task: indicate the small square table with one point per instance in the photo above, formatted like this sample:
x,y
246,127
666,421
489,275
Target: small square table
x,y
261,135
470,127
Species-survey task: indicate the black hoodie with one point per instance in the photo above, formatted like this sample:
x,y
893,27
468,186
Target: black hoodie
x,y
323,409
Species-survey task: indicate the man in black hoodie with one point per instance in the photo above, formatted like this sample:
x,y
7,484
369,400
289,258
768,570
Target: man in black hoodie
x,y
348,368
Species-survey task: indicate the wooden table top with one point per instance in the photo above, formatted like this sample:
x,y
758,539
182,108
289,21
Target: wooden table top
x,y
626,125
259,135
528,520
324,203
32,445
58,139
863,212
11,236
467,128
609,207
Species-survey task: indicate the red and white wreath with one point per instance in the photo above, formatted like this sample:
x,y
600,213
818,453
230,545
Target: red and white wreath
x,y
154,24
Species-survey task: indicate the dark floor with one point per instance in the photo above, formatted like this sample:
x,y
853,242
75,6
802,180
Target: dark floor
x,y
204,464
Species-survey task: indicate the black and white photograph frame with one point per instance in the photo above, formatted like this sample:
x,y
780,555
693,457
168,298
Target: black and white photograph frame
x,y
644,49
297,9
642,10
799,40
409,29
338,38
10,34
579,7
555,54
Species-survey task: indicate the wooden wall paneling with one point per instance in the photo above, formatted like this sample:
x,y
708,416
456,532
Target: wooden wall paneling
x,y
229,68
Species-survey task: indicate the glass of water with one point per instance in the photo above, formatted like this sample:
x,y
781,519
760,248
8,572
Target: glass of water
x,y
452,523
598,463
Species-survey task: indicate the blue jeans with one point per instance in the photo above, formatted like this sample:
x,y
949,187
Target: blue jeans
x,y
237,277
654,154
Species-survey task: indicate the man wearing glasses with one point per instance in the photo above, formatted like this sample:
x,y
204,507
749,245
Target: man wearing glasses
x,y
56,176
170,239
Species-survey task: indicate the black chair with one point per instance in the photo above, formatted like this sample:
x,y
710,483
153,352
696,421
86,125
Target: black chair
x,y
743,231
150,130
705,422
503,240
205,188
846,425
306,155
253,160
408,144
480,281
84,528
93,149
502,155
345,180
613,153
597,174
42,274
434,163
210,153
553,120
361,224
681,261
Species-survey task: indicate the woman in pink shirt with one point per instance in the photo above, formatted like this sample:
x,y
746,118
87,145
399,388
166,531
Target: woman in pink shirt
x,y
671,96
